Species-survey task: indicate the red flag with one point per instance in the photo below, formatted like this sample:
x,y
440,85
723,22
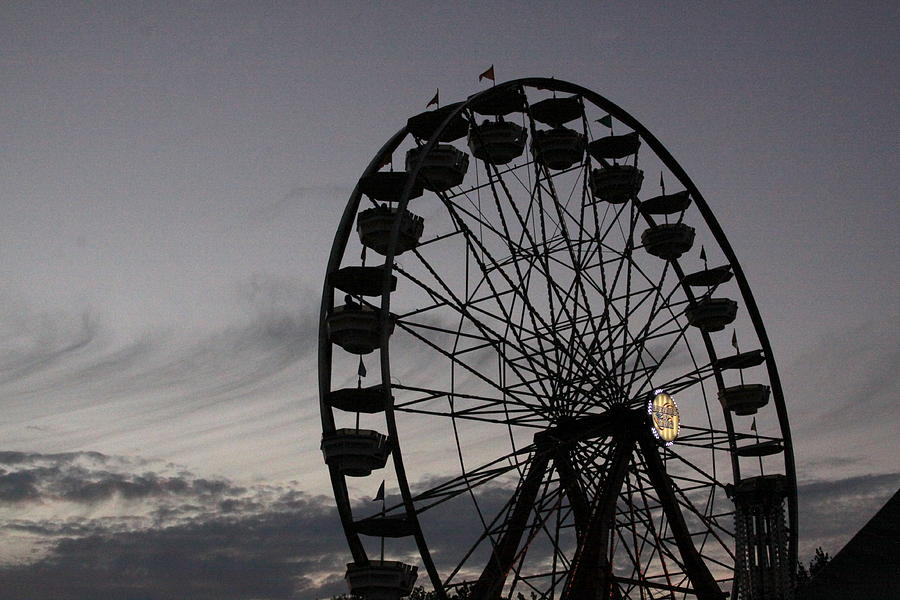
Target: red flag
x,y
434,100
489,74
387,160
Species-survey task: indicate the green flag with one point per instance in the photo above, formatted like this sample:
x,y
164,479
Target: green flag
x,y
606,121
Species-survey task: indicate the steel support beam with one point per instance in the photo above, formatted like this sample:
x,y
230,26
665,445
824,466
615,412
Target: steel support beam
x,y
581,514
490,583
590,576
704,584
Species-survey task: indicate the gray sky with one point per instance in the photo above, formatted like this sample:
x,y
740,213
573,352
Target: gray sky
x,y
173,173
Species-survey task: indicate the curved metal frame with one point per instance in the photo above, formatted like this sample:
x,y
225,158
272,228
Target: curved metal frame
x,y
344,231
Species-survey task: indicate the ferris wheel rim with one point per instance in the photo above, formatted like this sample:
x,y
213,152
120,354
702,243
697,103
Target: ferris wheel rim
x,y
340,246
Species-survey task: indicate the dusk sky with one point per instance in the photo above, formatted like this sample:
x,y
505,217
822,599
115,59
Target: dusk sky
x,y
173,175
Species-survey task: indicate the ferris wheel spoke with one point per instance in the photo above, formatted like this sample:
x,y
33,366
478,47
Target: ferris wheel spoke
x,y
522,296
481,404
661,303
546,270
698,572
534,322
552,291
635,351
466,310
478,217
468,481
564,320
589,575
522,223
560,225
716,440
542,530
484,409
625,265
507,391
708,478
661,547
534,316
489,336
606,317
633,346
654,535
679,383
503,553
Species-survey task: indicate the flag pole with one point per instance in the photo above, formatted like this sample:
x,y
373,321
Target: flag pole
x,y
737,349
379,495
382,537
706,268
756,433
360,373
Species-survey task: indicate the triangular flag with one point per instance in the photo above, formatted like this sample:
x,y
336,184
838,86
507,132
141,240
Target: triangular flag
x,y
387,160
435,100
753,425
703,253
606,121
361,371
379,495
489,74
662,184
734,339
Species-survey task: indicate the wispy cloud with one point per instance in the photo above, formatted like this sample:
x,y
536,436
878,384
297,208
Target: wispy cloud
x,y
68,383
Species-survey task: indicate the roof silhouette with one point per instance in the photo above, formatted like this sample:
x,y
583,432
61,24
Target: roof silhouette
x,y
866,567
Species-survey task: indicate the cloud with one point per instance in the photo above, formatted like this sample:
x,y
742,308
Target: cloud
x,y
831,511
852,376
296,199
162,533
18,487
69,383
144,529
273,554
33,342
91,479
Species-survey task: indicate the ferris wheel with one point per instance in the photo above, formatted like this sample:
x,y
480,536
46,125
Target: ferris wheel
x,y
549,365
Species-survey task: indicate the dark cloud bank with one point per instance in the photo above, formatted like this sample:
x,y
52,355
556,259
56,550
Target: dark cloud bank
x,y
177,537
174,535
